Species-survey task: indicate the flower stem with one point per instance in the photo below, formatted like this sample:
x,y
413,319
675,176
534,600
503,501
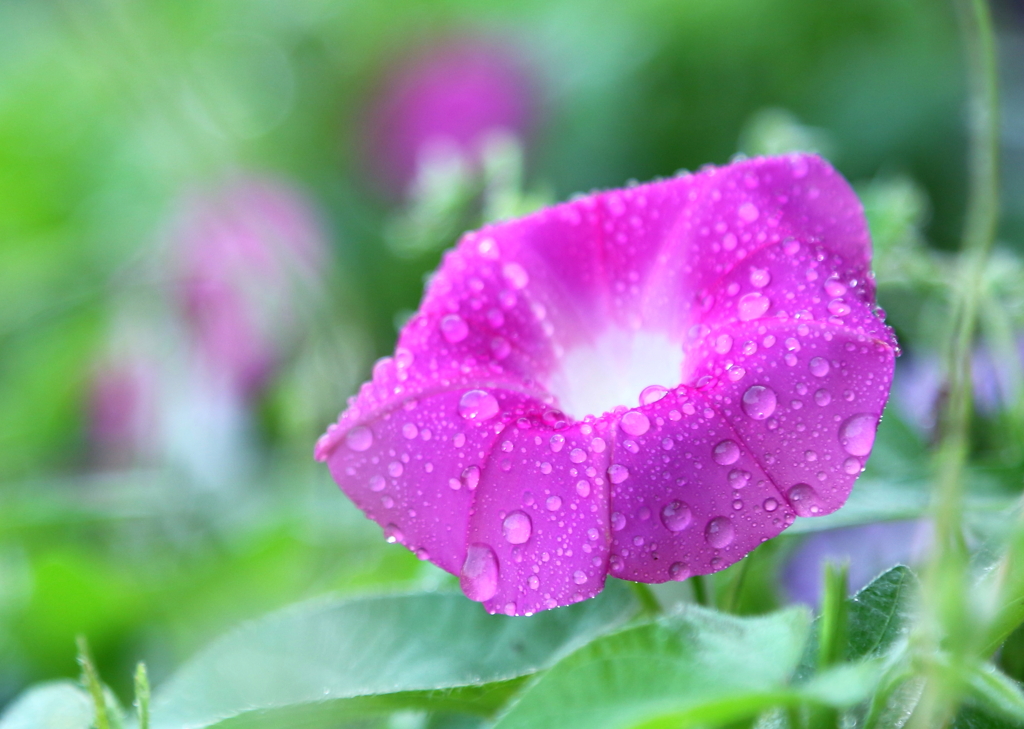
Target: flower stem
x,y
944,583
649,605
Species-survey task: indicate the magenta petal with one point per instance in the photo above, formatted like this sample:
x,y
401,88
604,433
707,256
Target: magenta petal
x,y
541,513
414,467
688,497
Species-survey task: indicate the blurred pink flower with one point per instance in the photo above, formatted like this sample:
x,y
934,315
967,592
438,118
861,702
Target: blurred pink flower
x,y
446,99
122,411
245,257
736,305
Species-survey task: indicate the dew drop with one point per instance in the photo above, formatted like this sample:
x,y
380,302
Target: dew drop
x,y
720,532
616,563
804,500
395,469
479,576
617,473
752,305
838,307
478,405
819,366
667,443
738,478
635,423
393,534
723,343
770,504
515,275
857,434
359,438
652,393
500,348
679,571
822,397
598,445
553,503
533,582
579,577
726,453
577,455
517,528
748,212
760,277
676,516
557,442
618,521
583,488
834,288
759,402
852,466
454,328
377,483
471,477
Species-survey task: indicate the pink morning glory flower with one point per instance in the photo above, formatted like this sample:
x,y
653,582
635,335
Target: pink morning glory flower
x,y
245,255
647,383
446,100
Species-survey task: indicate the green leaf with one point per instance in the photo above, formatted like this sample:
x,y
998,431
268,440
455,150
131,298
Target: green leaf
x,y
332,658
697,665
880,613
51,705
992,690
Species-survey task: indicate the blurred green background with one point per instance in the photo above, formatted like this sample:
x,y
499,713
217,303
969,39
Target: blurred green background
x,y
153,532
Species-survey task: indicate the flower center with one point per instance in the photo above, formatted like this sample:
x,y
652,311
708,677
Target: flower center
x,y
613,370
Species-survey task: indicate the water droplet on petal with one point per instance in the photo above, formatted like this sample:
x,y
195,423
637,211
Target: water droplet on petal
x,y
852,466
377,483
395,469
738,478
635,423
359,438
479,576
471,477
804,500
533,582
579,577
819,366
834,288
517,528
478,405
770,504
723,343
515,275
454,328
838,307
720,532
410,431
759,402
726,453
393,534
652,394
583,488
618,521
822,397
752,305
679,571
553,503
676,516
857,434
617,473
760,277
557,442
748,212
577,455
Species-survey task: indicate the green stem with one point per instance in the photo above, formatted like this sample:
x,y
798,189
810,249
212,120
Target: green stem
x,y
649,605
91,680
700,590
945,577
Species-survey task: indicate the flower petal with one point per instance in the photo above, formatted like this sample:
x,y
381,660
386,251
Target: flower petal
x,y
413,467
541,517
687,496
